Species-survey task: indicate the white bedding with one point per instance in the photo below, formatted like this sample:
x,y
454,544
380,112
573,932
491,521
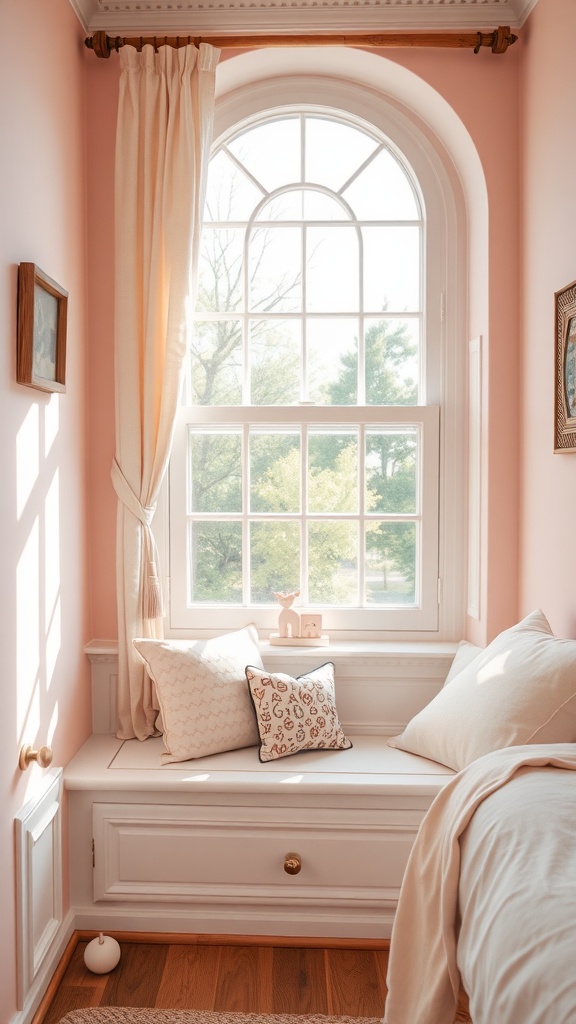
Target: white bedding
x,y
517,944
517,899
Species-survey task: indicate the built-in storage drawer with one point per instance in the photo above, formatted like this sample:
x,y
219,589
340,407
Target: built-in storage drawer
x,y
190,852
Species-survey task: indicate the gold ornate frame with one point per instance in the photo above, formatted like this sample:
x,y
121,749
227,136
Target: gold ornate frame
x,y
565,370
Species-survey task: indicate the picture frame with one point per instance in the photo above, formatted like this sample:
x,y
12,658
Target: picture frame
x,y
42,325
565,369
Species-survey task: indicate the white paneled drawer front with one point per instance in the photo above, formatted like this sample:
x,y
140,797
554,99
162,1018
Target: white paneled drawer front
x,y
186,852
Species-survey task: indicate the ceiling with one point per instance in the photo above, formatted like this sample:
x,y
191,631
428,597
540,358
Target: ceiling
x,y
201,17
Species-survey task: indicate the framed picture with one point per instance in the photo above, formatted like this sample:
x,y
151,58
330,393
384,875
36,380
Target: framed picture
x,y
42,315
565,378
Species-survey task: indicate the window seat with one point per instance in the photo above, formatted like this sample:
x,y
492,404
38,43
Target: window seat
x,y
310,845
370,768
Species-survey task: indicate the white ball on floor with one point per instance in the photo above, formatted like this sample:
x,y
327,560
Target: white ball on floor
x,y
102,954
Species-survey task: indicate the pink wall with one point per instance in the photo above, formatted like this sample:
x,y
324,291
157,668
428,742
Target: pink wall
x,y
102,96
43,508
548,536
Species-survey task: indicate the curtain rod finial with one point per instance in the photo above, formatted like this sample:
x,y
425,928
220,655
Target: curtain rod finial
x,y
100,43
502,38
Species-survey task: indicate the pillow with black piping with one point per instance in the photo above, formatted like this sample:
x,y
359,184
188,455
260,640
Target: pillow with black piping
x,y
295,714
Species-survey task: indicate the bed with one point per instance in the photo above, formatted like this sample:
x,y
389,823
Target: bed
x,y
488,899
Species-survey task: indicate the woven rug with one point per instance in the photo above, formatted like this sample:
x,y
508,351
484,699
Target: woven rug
x,y
134,1015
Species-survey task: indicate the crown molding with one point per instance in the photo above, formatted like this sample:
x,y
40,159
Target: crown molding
x,y
201,17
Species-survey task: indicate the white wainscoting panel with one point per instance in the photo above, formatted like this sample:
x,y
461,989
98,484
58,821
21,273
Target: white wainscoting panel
x,y
39,880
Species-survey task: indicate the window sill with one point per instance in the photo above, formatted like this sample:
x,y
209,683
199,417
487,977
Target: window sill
x,y
337,651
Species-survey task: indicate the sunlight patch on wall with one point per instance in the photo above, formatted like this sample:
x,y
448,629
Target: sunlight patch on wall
x,y
51,423
52,584
27,635
27,458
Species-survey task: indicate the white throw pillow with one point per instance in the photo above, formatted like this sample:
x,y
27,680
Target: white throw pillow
x,y
520,689
295,714
202,693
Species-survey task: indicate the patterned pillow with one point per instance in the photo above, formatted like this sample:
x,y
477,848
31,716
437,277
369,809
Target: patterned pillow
x,y
295,714
201,688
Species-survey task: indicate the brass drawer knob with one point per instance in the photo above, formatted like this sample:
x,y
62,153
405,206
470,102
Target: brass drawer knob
x,y
292,863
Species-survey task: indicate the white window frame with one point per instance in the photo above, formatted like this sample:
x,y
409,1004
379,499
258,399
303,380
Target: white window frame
x,y
444,384
347,622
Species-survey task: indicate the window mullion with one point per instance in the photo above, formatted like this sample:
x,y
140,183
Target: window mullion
x,y
246,561
361,390
304,559
304,391
362,512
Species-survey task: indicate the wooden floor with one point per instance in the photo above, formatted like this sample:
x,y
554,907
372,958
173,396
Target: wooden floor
x,y
237,978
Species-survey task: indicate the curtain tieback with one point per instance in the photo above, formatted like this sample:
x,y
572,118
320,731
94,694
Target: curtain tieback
x,y
152,597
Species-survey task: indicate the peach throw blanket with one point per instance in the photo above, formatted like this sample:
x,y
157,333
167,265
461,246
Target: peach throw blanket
x,y
423,977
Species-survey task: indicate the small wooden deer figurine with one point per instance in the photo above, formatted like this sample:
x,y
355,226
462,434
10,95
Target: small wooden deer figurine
x,y
289,619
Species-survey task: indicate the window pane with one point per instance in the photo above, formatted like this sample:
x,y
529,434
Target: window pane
x,y
331,269
271,152
390,563
275,270
215,472
391,470
286,206
230,195
220,271
333,471
391,269
333,563
216,363
215,562
332,347
274,560
275,359
275,471
382,191
392,354
319,206
334,151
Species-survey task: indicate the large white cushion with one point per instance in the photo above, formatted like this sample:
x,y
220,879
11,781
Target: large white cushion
x,y
202,692
465,653
520,689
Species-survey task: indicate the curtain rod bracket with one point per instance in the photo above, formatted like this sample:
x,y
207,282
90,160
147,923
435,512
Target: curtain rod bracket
x,y
498,41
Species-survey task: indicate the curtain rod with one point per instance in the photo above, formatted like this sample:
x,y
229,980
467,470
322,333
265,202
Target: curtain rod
x,y
498,41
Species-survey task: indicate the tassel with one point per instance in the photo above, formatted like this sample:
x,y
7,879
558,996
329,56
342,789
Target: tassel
x,y
153,603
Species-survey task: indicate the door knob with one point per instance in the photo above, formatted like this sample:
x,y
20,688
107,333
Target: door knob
x,y
43,756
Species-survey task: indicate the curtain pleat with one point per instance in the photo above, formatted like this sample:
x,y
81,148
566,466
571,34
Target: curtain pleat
x,y
164,133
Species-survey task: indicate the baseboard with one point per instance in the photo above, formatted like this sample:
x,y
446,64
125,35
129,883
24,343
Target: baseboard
x,y
332,924
225,939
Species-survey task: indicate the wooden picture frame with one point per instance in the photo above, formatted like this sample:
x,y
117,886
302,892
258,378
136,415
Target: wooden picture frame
x,y
565,369
42,320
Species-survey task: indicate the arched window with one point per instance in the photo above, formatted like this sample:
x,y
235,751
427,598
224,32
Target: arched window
x,y
307,448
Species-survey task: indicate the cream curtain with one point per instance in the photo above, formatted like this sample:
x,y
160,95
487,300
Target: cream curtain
x,y
164,133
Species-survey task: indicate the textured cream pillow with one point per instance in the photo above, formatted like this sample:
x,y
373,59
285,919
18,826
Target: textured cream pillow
x,y
520,689
295,714
201,688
